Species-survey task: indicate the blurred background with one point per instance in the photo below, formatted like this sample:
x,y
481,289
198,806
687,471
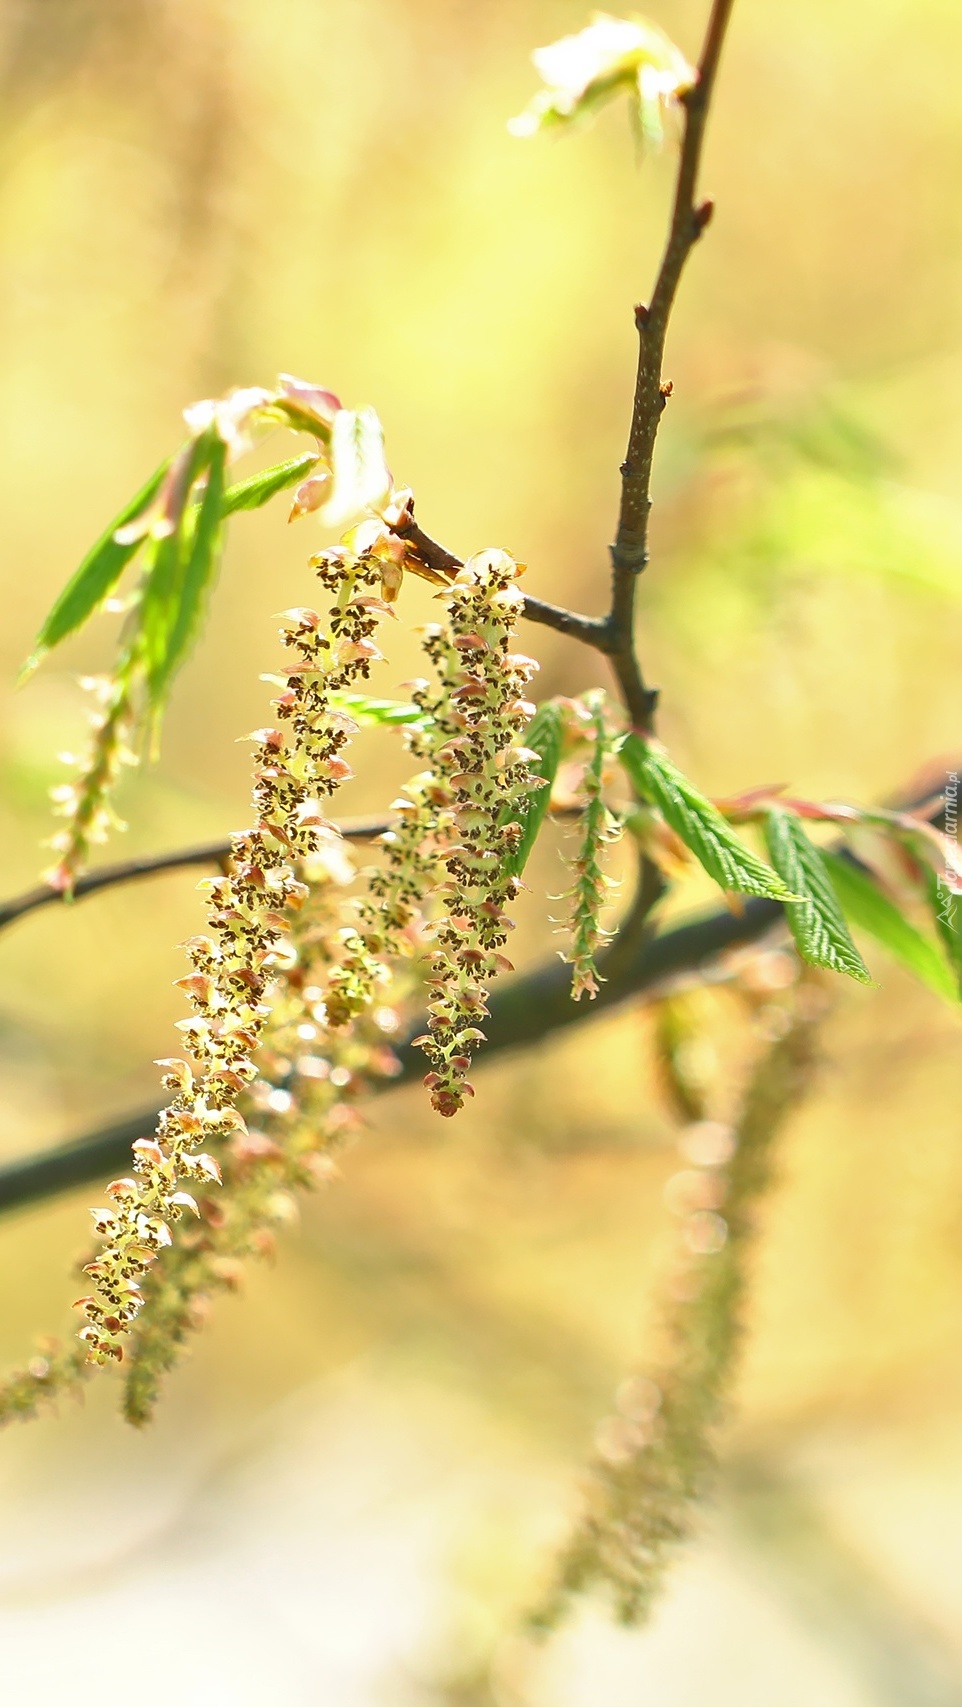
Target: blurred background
x,y
355,1479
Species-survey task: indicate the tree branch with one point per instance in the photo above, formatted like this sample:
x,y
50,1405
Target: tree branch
x,y
205,853
629,553
613,634
442,566
131,870
523,1012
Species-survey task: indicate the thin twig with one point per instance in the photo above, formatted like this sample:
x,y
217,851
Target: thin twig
x,y
442,565
613,634
629,553
131,870
205,853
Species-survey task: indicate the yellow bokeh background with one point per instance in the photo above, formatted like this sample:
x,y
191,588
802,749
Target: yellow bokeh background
x,y
199,195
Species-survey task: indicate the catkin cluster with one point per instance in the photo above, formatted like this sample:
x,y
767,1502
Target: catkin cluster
x,y
393,914
232,967
298,1112
479,781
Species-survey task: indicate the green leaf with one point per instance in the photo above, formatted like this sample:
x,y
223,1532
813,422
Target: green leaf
x,y
543,736
201,547
158,613
359,473
946,906
261,488
392,712
866,906
99,572
817,922
699,824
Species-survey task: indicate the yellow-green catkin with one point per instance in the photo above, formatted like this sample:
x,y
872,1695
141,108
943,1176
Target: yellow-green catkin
x,y
655,1454
248,914
393,914
298,1113
479,780
85,802
599,828
53,1370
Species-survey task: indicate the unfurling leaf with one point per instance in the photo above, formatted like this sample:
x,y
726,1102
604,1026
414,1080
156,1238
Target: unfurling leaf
x,y
202,546
157,616
360,478
610,57
543,736
306,407
817,922
946,905
699,824
866,907
99,572
363,709
176,524
261,488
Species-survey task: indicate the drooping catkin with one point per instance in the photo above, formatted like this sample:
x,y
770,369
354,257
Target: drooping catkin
x,y
599,828
53,1370
480,776
297,1113
654,1457
248,917
86,801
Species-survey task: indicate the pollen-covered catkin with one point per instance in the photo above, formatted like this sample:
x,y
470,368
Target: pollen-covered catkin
x,y
232,967
298,1112
480,776
392,916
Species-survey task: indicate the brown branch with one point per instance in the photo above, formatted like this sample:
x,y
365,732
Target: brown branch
x,y
523,1012
205,853
613,634
629,553
131,870
441,565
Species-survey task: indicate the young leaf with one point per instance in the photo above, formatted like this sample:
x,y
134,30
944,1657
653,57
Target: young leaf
x,y
946,906
261,488
360,478
158,611
817,922
201,553
100,570
866,907
543,736
699,824
610,57
392,712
